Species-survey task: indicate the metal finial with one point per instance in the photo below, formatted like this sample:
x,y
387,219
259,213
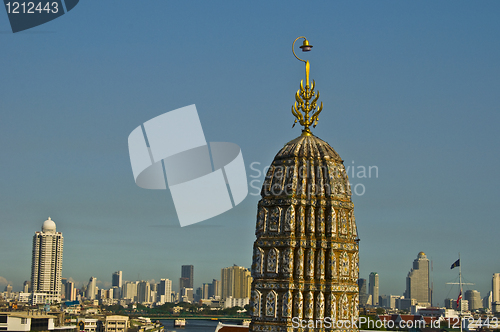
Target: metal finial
x,y
303,96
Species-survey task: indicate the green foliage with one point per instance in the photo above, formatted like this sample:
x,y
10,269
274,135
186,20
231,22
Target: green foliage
x,y
187,310
115,308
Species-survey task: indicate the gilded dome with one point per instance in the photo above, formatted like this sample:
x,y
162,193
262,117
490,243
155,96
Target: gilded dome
x,y
310,147
306,168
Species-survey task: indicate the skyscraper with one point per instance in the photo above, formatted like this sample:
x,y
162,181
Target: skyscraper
x,y
143,292
205,291
487,301
46,264
236,282
91,289
305,256
417,281
116,279
26,287
495,292
198,294
63,288
187,276
363,295
129,290
8,290
70,291
165,291
215,289
116,284
373,288
474,298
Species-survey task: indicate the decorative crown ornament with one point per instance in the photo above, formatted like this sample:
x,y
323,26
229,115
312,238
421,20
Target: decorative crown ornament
x,y
304,95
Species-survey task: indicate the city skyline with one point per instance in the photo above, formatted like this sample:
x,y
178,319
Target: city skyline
x,y
187,272
409,88
93,294
373,279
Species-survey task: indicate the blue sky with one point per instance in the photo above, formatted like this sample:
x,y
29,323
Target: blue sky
x,y
410,87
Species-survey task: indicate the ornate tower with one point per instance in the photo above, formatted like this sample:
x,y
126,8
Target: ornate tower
x,y
305,260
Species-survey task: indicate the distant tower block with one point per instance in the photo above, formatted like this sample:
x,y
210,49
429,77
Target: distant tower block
x,y
495,288
116,279
187,276
363,295
305,259
46,264
373,287
417,281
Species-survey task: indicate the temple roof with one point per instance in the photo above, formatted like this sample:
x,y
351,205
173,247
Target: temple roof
x,y
307,168
309,147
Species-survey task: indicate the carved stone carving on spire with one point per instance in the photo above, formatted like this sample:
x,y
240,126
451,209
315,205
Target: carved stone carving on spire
x,y
309,305
320,306
287,304
298,304
271,303
272,261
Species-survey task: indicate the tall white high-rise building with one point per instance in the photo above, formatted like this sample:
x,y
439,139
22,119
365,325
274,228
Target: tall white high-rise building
x,y
164,291
373,288
129,290
417,281
46,264
495,295
92,289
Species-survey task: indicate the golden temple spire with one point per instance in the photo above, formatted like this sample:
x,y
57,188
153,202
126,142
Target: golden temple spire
x,y
304,95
